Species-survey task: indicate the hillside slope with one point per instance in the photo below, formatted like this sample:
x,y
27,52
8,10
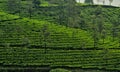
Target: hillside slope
x,y
23,31
39,40
85,24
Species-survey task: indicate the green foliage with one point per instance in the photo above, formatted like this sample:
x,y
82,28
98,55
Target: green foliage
x,y
81,36
104,26
36,3
38,34
13,6
89,1
59,70
5,16
107,58
71,13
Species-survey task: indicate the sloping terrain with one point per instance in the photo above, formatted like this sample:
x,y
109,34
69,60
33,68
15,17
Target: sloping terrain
x,y
39,40
23,31
99,59
18,35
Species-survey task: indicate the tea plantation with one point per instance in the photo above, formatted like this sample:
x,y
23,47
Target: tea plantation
x,y
38,39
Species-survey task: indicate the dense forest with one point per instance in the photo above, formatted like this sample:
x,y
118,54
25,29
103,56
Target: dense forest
x,y
59,36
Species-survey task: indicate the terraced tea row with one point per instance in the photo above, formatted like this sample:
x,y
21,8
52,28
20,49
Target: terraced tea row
x,y
5,16
26,32
107,59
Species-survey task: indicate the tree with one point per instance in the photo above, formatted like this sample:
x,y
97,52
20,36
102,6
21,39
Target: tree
x,y
98,26
89,1
95,31
119,28
45,34
11,4
1,36
61,14
71,13
19,6
32,6
119,36
113,32
54,1
67,13
14,6
100,23
29,8
103,35
36,3
115,27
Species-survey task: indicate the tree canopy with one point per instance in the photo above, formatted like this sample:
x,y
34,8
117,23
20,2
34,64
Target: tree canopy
x,y
89,1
